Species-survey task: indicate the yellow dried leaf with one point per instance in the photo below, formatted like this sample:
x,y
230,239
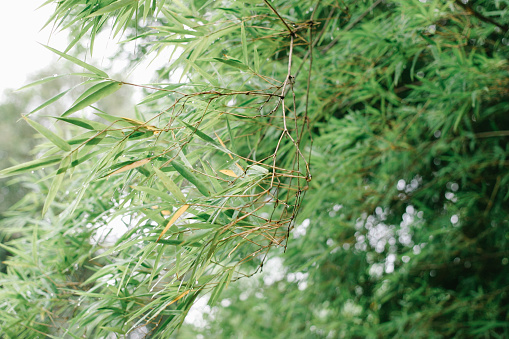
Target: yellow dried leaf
x,y
231,157
131,166
177,215
165,212
133,121
142,124
229,173
179,297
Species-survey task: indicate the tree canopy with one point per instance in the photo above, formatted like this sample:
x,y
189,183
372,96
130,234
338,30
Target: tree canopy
x,y
329,169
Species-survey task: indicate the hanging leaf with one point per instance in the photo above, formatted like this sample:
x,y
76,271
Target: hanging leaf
x,y
177,215
199,133
41,81
29,166
170,185
142,125
130,166
85,123
234,63
59,142
78,62
229,173
243,40
111,88
112,7
186,173
55,185
48,102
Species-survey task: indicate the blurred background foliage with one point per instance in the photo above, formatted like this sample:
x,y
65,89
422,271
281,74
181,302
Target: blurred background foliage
x,y
404,228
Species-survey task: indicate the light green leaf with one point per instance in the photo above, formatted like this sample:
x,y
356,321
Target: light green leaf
x,y
48,102
170,185
85,123
112,7
154,192
198,132
91,90
244,43
234,63
41,81
94,97
55,185
186,173
59,142
202,72
29,166
78,62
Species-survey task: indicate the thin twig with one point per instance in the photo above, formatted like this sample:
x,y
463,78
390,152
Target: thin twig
x,y
279,16
481,17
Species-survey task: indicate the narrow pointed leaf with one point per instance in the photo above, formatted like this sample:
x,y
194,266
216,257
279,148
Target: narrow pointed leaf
x,y
94,97
177,215
29,166
78,62
48,102
85,123
112,7
41,81
199,133
55,185
59,142
92,89
243,40
229,173
186,173
154,192
234,63
130,166
170,185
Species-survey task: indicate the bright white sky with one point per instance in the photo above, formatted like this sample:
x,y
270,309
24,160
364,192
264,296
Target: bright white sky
x,y
20,32
20,25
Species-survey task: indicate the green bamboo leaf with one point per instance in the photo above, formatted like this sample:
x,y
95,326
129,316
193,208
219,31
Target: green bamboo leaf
x,y
59,142
55,185
85,123
176,242
80,160
91,90
204,225
180,18
29,166
112,7
199,133
48,102
186,173
218,289
41,81
79,62
160,93
113,119
256,59
170,185
94,97
17,252
234,63
146,9
154,192
243,40
202,72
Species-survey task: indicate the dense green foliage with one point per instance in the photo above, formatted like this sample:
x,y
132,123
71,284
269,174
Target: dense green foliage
x,y
400,109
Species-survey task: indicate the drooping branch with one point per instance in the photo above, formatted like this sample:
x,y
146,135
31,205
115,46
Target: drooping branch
x,y
479,16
